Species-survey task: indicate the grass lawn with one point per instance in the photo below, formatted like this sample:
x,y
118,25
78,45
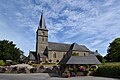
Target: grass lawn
x,y
45,65
110,64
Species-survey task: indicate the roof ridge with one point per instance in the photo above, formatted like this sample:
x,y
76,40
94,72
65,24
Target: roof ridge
x,y
58,43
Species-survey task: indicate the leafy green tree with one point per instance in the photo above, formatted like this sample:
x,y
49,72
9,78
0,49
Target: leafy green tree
x,y
100,58
8,51
114,51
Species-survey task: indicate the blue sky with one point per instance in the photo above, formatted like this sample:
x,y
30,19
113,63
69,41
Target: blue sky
x,y
94,23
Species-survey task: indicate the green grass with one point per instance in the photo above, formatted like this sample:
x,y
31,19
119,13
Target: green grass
x,y
44,64
110,64
49,64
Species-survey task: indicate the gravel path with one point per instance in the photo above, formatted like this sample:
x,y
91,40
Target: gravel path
x,y
45,76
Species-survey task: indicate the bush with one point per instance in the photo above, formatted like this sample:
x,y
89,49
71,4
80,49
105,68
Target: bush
x,y
2,63
108,70
66,74
100,58
8,64
14,63
75,54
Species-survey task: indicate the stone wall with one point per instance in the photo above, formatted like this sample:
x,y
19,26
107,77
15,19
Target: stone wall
x,y
55,55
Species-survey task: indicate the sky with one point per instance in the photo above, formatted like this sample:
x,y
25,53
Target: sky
x,y
93,23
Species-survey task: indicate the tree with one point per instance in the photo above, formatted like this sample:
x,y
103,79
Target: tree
x,y
114,51
8,51
100,58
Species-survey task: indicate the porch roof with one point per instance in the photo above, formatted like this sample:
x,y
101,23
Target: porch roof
x,y
83,60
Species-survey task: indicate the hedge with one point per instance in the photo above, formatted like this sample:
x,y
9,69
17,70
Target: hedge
x,y
108,70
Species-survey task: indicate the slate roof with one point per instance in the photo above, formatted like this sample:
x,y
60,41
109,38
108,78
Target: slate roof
x,y
95,53
68,58
66,47
83,60
77,47
91,59
42,22
32,55
58,46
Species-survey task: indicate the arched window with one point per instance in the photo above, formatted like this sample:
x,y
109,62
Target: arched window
x,y
84,54
46,39
42,38
54,55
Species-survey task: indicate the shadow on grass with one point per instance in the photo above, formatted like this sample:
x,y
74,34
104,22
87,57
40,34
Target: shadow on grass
x,y
117,78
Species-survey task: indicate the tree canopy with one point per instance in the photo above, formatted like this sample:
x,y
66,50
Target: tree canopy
x,y
114,51
8,51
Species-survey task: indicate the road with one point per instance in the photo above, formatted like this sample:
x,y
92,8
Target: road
x,y
45,76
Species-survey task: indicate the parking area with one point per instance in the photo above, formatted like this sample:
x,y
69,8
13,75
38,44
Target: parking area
x,y
45,76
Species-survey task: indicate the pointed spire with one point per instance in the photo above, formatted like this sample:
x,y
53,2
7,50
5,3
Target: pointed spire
x,y
42,22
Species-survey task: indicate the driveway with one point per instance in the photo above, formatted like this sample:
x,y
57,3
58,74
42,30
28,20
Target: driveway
x,y
45,76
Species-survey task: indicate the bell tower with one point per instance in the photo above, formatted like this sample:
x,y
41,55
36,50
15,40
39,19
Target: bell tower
x,y
42,40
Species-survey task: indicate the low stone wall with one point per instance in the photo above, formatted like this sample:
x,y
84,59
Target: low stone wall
x,y
17,69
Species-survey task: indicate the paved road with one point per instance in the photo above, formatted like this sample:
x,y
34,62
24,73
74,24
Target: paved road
x,y
45,76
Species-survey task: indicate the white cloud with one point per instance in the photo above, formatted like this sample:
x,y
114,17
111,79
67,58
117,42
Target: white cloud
x,y
96,42
93,23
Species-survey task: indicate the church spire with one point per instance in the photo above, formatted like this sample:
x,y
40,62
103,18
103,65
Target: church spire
x,y
42,22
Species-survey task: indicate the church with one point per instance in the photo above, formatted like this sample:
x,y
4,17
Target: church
x,y
53,52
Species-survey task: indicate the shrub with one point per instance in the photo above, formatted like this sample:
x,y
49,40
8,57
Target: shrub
x,y
66,74
75,54
14,63
82,68
8,64
108,70
2,63
100,58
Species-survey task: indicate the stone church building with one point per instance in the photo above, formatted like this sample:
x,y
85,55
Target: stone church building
x,y
51,51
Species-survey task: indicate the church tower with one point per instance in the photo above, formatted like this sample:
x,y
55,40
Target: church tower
x,y
42,40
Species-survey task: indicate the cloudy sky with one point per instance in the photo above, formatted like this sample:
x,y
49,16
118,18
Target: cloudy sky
x,y
94,23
